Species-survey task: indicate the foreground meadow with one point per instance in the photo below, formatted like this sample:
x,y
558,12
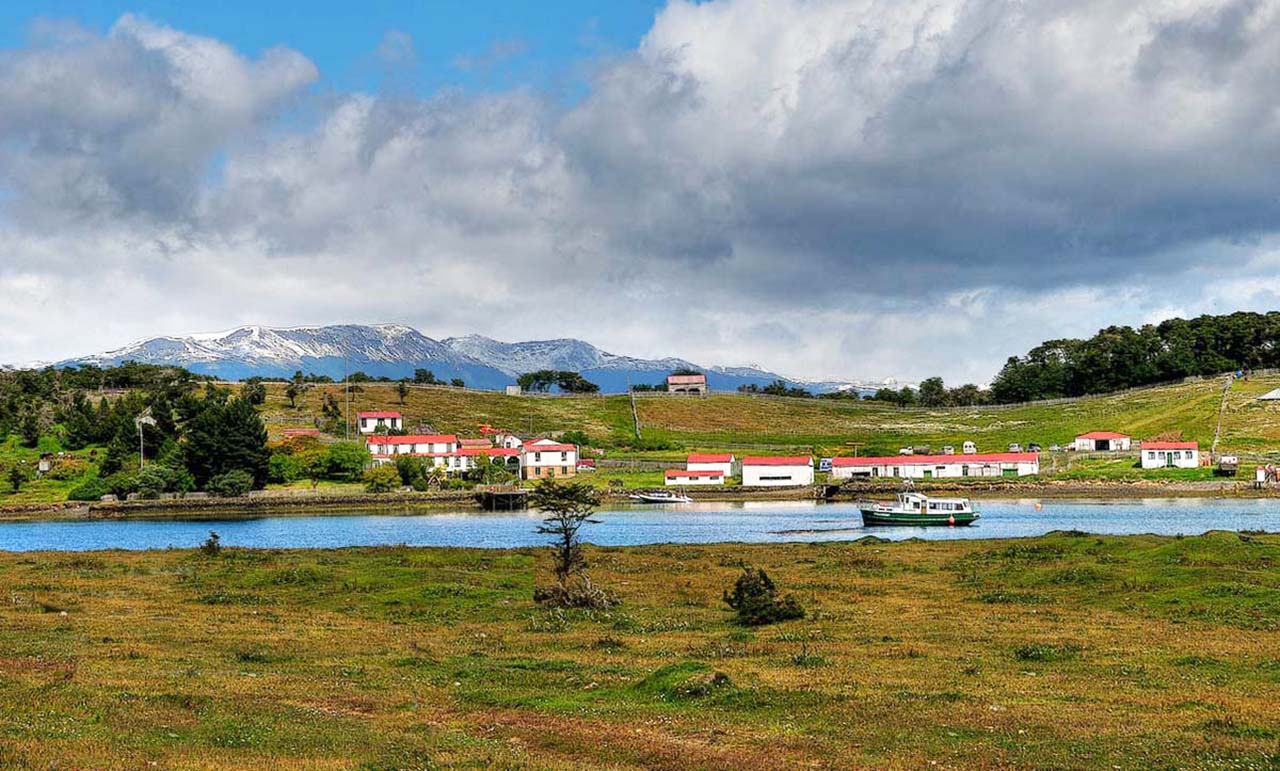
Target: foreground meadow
x,y
1067,651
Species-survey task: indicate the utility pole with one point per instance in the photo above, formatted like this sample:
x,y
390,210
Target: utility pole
x,y
144,418
346,399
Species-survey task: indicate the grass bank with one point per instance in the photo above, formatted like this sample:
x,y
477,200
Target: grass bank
x,y
1069,651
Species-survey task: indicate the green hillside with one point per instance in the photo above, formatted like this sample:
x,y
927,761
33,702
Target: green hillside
x,y
728,420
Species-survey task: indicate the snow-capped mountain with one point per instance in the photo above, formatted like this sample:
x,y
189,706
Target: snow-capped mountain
x,y
395,350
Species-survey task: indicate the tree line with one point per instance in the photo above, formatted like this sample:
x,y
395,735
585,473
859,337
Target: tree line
x,y
1120,357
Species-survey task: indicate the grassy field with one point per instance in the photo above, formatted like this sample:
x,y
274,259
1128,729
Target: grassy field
x,y
826,426
1068,652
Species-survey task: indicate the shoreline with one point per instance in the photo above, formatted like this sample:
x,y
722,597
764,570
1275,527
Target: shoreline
x,y
339,504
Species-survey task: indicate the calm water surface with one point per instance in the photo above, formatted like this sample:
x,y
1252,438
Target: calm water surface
x,y
629,526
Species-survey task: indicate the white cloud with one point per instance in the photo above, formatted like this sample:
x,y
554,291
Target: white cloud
x,y
825,187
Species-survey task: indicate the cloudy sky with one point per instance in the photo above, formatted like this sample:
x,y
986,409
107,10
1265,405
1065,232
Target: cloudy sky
x,y
847,188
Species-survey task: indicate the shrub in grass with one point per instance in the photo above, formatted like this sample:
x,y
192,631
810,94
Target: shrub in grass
x,y
381,479
212,545
755,597
1045,652
232,484
89,490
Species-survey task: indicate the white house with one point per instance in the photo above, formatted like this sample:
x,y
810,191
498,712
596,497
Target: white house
x,y
711,462
994,464
1101,441
470,457
680,477
541,458
1170,454
777,471
373,422
508,440
687,384
438,447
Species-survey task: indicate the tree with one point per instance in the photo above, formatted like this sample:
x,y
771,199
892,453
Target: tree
x,y
17,476
231,484
933,393
457,382
402,390
575,437
424,377
227,437
345,461
254,392
567,507
30,428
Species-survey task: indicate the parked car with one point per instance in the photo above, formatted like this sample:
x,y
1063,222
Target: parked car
x,y
1033,447
1055,448
824,464
948,450
1015,447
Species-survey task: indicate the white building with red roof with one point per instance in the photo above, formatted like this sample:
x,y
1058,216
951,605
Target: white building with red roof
x,y
993,464
443,450
777,471
544,458
1101,441
681,477
722,462
376,421
1170,454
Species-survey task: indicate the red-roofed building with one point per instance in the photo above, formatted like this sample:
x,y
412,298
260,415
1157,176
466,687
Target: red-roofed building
x,y
383,448
1170,454
463,442
777,471
373,422
991,464
1101,441
294,433
722,462
679,477
543,458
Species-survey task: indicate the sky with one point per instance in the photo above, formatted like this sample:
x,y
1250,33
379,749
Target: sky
x,y
827,188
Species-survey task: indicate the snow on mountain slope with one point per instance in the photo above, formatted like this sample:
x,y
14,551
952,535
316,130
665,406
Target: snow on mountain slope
x,y
395,350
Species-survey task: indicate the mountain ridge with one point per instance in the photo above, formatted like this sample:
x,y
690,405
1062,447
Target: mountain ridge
x,y
396,350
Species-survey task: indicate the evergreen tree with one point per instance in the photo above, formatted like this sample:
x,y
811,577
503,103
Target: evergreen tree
x,y
227,437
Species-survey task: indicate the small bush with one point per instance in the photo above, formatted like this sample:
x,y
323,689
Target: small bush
x,y
232,484
755,598
1046,652
89,490
381,479
579,593
212,545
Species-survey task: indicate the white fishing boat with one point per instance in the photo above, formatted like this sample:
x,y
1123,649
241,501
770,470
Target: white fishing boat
x,y
918,509
660,496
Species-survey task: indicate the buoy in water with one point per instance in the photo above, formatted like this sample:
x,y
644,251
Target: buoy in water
x,y
1038,507
951,520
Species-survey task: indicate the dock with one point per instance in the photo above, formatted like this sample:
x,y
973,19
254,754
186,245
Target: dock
x,y
502,498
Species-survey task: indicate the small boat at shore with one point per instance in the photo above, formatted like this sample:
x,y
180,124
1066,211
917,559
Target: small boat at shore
x,y
660,496
918,510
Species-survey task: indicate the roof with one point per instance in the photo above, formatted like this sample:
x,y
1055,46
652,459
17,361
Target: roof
x,y
1103,435
711,458
1170,445
677,472
301,432
686,379
495,452
935,460
379,414
777,460
414,439
474,442
1270,396
531,447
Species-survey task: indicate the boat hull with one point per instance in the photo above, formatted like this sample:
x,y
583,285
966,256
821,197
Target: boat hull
x,y
874,518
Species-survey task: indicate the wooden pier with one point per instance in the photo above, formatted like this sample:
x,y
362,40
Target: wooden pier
x,y
499,498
